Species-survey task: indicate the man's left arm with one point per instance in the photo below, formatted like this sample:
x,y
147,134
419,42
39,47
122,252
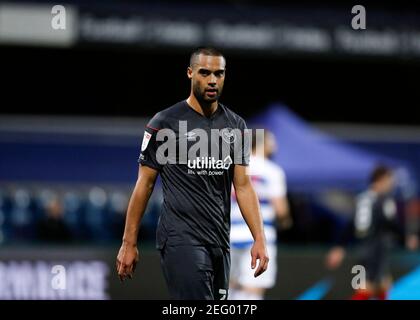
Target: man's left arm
x,y
250,209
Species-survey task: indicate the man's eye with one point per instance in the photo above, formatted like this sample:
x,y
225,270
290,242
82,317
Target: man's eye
x,y
219,74
204,72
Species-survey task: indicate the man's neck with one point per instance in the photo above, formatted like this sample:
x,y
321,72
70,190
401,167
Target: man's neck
x,y
205,109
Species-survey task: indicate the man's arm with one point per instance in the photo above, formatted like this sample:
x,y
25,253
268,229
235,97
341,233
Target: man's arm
x,y
250,209
128,255
337,253
281,207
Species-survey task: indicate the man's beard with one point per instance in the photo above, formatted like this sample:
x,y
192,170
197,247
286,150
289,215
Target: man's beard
x,y
201,95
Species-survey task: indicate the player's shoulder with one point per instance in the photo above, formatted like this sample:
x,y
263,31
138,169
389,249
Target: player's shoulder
x,y
167,116
275,168
235,119
364,196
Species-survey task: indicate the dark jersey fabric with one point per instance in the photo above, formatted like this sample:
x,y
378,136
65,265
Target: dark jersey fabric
x,y
372,222
376,217
374,226
196,205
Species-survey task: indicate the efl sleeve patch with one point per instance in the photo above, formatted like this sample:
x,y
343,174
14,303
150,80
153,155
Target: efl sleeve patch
x,y
146,139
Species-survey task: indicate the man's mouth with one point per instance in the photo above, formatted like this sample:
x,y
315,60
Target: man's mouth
x,y
211,92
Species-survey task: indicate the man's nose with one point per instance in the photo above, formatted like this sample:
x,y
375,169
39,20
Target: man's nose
x,y
212,80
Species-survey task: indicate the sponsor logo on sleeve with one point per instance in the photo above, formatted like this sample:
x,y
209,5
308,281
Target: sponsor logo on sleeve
x,y
146,139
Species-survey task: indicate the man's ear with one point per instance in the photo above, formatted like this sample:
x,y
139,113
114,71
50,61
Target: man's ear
x,y
189,72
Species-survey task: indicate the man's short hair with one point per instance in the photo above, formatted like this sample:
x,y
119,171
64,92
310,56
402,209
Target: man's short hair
x,y
207,51
379,172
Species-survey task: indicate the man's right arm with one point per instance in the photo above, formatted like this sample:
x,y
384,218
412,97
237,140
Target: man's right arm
x,y
128,254
281,207
278,195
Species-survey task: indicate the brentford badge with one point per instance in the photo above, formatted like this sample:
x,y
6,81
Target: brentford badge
x,y
228,135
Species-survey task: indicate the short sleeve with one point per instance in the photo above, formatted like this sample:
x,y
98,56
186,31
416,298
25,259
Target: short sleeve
x,y
149,145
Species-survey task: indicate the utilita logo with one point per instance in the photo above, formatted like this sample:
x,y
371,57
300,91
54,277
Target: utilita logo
x,y
210,163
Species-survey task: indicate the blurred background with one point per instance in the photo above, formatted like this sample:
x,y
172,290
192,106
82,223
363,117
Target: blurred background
x,y
74,103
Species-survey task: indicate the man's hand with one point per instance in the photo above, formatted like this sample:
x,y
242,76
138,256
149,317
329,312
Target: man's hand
x,y
335,258
285,222
127,259
259,252
412,242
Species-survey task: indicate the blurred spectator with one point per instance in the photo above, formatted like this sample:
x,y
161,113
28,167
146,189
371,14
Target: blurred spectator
x,y
117,210
96,213
52,227
21,216
73,213
2,219
78,214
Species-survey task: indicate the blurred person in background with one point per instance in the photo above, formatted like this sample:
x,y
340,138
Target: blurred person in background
x,y
3,222
375,226
118,208
52,227
22,215
73,213
269,181
96,214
